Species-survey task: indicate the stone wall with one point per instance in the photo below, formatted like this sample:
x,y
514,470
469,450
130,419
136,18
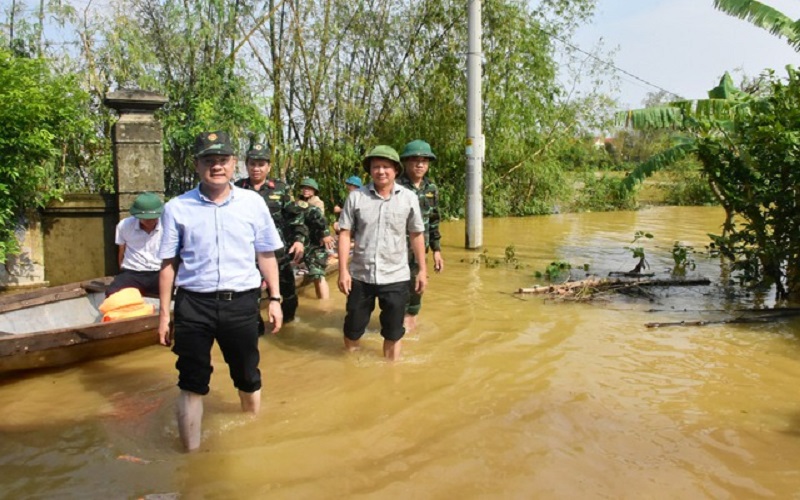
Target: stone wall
x,y
27,268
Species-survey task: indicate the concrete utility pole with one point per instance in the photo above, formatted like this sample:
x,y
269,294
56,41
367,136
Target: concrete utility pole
x,y
475,139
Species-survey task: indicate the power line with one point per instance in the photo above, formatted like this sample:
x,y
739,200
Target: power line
x,y
609,64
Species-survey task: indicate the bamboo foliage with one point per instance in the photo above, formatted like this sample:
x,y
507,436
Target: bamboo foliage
x,y
323,80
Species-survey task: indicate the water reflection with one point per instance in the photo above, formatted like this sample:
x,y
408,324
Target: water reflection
x,y
500,395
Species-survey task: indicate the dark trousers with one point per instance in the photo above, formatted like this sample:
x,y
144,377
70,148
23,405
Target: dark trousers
x,y
288,289
392,299
199,321
414,299
145,281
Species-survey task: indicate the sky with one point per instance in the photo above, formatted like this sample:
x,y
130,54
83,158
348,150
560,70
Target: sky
x,y
683,46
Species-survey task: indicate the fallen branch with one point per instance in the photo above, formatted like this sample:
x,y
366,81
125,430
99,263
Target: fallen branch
x,y
759,316
601,284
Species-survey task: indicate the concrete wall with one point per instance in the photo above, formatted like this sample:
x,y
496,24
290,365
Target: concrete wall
x,y
79,238
26,269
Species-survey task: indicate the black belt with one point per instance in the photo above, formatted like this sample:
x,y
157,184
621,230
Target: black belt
x,y
219,295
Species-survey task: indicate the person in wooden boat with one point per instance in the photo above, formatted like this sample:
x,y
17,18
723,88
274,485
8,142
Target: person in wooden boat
x,y
417,157
138,237
288,219
320,240
382,213
212,235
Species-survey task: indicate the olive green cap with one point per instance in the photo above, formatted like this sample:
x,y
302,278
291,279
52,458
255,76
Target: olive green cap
x,y
147,206
309,182
418,148
386,152
258,151
213,143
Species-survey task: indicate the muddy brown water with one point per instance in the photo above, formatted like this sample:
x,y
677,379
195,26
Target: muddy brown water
x,y
498,395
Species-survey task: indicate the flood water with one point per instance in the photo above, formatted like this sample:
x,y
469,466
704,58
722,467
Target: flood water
x,y
499,395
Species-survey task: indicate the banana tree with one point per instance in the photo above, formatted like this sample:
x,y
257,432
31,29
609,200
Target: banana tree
x,y
699,126
763,16
749,151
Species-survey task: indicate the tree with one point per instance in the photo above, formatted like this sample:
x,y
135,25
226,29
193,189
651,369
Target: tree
x,y
44,121
750,154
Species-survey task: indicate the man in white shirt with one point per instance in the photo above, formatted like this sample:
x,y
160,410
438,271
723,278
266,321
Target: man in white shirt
x,y
139,237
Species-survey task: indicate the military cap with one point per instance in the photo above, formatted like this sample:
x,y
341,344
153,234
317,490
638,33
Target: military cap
x,y
213,143
258,151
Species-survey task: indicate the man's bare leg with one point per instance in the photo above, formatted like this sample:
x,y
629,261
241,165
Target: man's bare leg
x,y
410,322
391,349
322,289
190,417
251,401
351,345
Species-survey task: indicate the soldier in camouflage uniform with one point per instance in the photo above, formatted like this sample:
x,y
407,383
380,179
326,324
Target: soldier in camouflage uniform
x,y
416,158
319,236
288,219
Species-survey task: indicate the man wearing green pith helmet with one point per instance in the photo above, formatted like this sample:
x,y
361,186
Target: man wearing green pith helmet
x,y
382,213
417,157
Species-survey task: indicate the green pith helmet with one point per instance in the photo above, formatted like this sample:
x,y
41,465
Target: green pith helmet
x,y
386,152
418,148
258,151
147,206
309,182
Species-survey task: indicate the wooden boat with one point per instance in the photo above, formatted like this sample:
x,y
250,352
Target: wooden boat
x,y
61,325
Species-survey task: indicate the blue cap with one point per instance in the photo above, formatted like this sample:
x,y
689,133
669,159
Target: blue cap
x,y
353,180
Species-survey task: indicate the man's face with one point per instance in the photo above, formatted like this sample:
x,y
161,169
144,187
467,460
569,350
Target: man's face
x,y
306,192
258,170
416,167
351,187
148,224
215,170
382,171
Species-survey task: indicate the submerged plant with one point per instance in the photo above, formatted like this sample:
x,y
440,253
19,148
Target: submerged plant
x,y
557,270
682,256
638,252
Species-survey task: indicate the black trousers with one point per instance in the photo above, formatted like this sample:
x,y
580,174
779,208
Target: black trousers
x,y
145,281
200,320
392,299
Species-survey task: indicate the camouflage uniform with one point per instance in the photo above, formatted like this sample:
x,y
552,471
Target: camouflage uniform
x,y
428,195
316,256
289,221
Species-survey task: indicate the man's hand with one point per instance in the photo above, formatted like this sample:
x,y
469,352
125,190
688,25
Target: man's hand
x,y
164,330
328,242
275,316
438,261
422,281
297,250
345,282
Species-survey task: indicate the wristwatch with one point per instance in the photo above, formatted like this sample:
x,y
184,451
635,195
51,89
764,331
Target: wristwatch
x,y
275,299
